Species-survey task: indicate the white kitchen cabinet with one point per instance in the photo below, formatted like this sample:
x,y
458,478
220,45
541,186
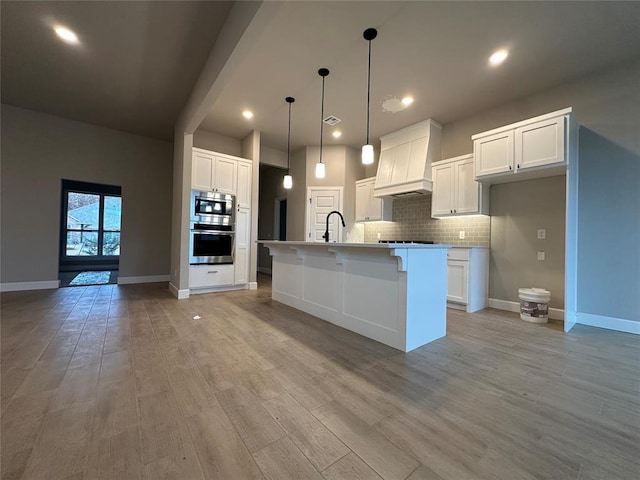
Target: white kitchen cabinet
x,y
468,278
368,207
210,276
455,191
534,148
241,254
243,189
213,172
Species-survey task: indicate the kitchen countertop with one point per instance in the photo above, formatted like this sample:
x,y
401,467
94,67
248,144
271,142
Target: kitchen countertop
x,y
359,245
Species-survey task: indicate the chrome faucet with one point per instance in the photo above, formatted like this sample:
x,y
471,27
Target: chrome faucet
x,y
326,232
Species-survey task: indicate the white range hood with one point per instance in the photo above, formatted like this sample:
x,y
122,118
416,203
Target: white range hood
x,y
404,168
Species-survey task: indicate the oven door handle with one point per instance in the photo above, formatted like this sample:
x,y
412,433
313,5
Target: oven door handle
x,y
214,232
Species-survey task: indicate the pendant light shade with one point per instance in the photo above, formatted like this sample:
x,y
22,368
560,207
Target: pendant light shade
x,y
367,150
288,179
320,169
367,154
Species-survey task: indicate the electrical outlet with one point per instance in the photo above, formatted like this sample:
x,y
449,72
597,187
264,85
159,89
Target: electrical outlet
x,y
461,234
378,235
542,234
540,254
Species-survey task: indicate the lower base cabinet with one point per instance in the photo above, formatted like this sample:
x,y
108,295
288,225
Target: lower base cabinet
x,y
211,276
468,278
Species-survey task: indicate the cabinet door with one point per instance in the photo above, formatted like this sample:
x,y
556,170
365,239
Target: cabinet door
x,y
241,255
243,190
467,189
540,144
493,154
363,192
376,205
224,178
202,171
457,272
443,189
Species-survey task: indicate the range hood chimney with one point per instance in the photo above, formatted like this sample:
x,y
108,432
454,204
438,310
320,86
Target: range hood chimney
x,y
404,168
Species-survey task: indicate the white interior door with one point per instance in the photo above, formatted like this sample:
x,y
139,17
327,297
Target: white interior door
x,y
320,202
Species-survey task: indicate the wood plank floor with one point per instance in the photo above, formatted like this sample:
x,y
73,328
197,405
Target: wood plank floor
x,y
122,382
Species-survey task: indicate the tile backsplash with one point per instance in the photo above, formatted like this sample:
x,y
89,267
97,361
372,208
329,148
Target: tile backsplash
x,y
412,221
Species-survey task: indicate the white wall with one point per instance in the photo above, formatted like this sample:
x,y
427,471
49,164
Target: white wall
x,y
38,151
273,157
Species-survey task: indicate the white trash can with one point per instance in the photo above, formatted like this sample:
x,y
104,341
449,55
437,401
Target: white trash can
x,y
534,304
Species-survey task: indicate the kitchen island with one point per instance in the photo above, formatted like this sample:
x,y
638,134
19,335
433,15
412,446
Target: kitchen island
x,y
393,293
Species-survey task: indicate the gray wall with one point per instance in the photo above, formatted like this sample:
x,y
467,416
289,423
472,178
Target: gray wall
x,y
39,150
608,227
518,210
217,142
297,195
607,104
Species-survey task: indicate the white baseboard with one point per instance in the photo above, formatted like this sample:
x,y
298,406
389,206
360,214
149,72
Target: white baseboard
x,y
253,285
19,286
179,294
147,279
610,323
554,313
268,271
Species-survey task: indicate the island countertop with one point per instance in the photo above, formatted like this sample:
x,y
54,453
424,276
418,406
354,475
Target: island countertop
x,y
356,245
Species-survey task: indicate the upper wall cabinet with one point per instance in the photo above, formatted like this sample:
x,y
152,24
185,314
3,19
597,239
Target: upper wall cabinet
x,y
213,172
455,191
368,207
534,148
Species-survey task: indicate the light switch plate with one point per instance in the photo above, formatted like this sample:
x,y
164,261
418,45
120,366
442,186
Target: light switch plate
x,y
540,254
542,234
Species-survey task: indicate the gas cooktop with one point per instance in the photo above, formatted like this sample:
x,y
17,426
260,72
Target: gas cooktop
x,y
425,242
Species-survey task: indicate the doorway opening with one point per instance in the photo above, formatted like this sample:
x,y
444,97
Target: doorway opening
x,y
272,214
90,223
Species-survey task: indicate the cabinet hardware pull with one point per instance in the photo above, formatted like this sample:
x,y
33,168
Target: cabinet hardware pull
x,y
450,211
212,271
509,167
454,210
518,166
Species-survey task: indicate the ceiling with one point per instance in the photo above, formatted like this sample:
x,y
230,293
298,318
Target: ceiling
x,y
435,51
133,69
138,61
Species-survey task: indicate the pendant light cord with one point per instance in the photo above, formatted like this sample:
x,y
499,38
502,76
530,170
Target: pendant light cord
x,y
368,90
321,118
289,141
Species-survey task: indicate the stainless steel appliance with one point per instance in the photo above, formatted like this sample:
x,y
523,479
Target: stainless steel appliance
x,y
212,232
213,208
210,245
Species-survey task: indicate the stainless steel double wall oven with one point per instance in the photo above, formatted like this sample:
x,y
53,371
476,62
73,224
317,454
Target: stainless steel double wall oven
x,y
212,228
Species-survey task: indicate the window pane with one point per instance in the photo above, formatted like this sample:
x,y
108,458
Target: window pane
x,y
111,243
112,212
83,211
82,243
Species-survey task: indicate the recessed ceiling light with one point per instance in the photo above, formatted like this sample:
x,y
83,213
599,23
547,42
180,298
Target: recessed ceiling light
x,y
498,57
336,134
66,34
406,101
247,114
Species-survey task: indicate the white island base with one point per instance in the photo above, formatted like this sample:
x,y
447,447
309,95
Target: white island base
x,y
393,293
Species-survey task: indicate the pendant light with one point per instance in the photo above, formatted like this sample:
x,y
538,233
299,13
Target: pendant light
x,y
320,169
367,150
288,179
